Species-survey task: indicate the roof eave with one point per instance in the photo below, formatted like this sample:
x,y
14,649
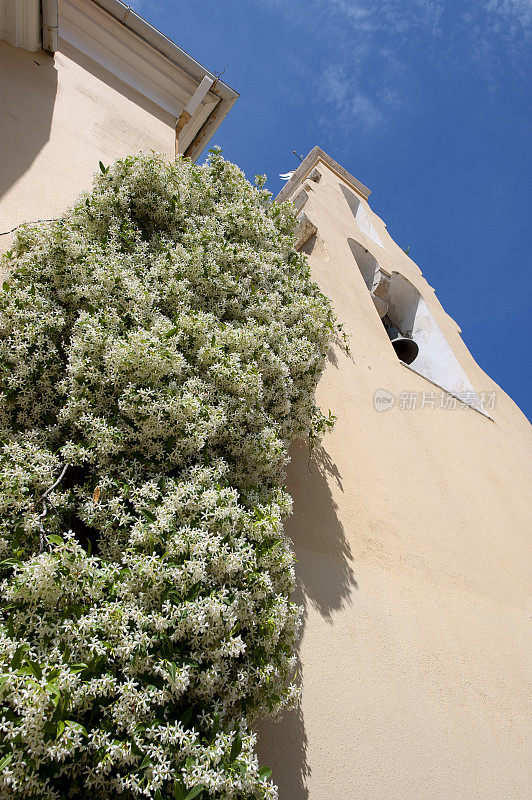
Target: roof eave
x,y
164,45
224,96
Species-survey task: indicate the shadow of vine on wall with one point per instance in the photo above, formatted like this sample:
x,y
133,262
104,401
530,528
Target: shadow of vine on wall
x,y
318,537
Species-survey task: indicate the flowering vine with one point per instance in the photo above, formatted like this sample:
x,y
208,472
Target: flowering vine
x,y
160,346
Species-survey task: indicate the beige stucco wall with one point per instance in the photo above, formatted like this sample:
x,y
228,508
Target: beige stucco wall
x,y
410,529
410,526
58,118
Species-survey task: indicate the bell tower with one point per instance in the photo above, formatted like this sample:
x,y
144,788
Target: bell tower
x,y
410,529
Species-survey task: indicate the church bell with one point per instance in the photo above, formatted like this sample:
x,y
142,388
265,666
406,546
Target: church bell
x,y
404,346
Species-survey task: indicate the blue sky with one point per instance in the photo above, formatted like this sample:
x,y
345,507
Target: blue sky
x,y
427,102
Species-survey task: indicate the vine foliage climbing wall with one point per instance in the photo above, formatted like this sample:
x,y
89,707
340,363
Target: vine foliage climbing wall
x,y
160,346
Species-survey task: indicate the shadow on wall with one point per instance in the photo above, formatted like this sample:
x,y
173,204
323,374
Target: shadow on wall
x,y
315,247
27,99
317,533
352,200
28,91
283,745
362,219
366,263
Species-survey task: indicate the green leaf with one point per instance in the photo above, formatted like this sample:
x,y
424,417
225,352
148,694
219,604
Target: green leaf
x,y
16,661
56,694
70,723
179,790
197,790
60,728
35,668
194,591
171,332
9,563
265,772
236,748
78,667
172,669
148,514
103,169
55,539
6,760
146,761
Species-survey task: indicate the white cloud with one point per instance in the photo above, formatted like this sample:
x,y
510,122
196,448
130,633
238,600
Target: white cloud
x,y
515,12
345,104
360,56
370,46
